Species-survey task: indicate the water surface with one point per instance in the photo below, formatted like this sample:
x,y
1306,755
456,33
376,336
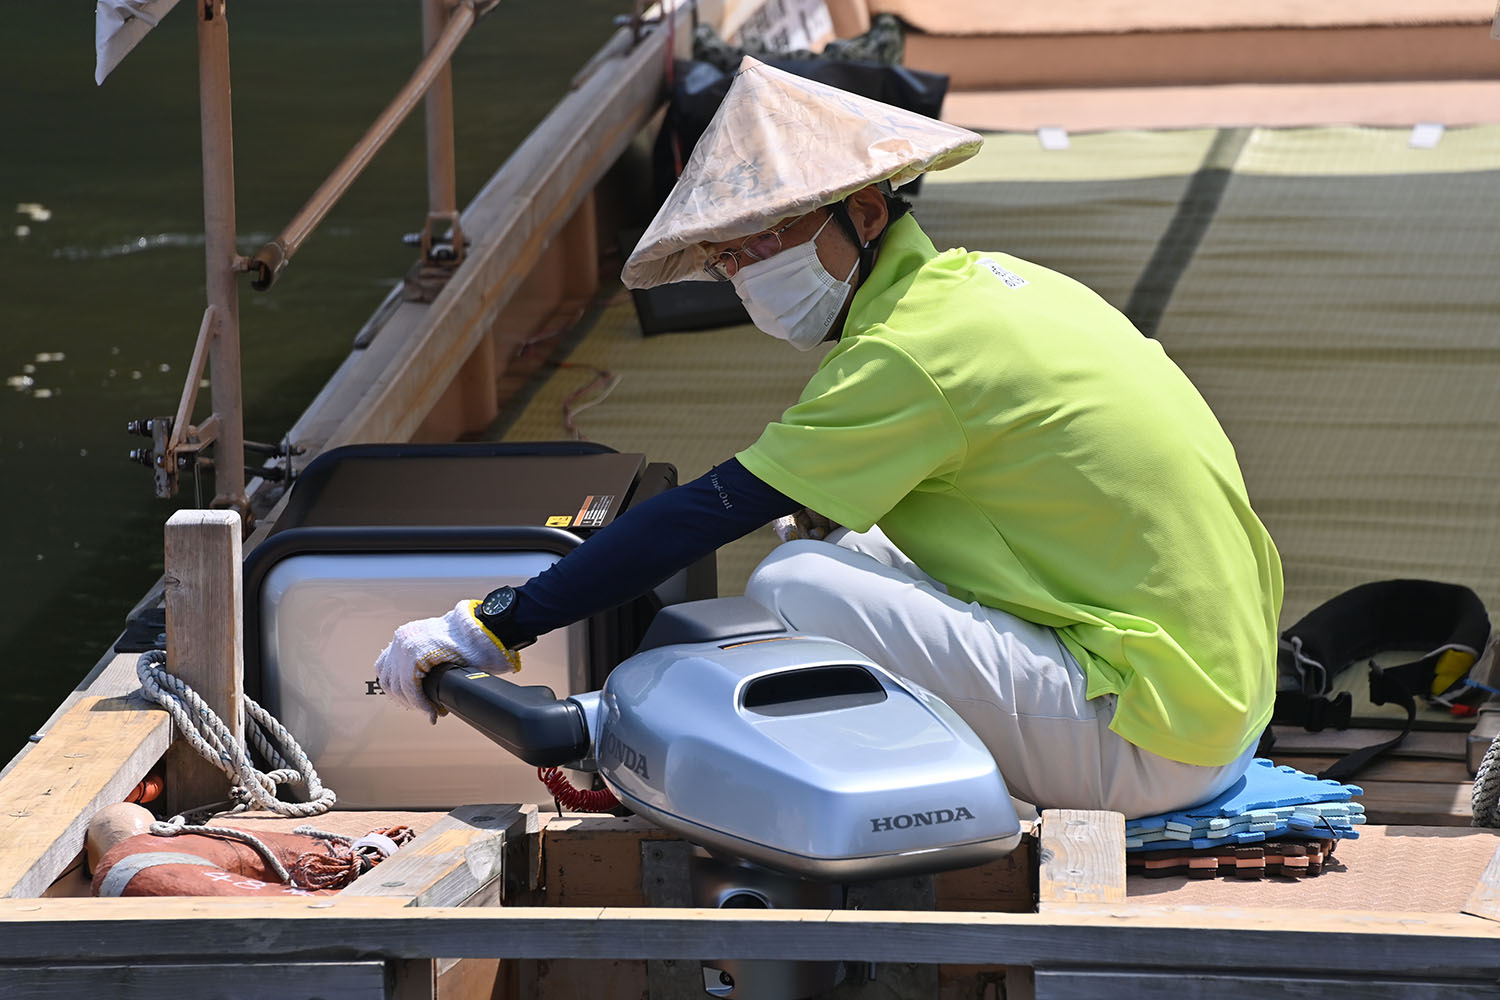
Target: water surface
x,y
101,264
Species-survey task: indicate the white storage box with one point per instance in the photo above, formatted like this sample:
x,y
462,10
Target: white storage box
x,y
374,536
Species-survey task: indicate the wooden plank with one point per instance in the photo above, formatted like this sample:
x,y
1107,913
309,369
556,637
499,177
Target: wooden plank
x,y
205,647
1486,728
1405,803
1484,901
1450,772
326,980
598,979
526,203
592,860
1293,741
1006,884
451,860
1198,985
91,757
1228,940
113,675
1082,857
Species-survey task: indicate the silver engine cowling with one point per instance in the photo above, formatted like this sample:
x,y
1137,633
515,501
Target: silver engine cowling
x,y
794,751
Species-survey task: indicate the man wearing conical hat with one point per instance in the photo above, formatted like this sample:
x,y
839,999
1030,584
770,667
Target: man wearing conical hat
x,y
1043,522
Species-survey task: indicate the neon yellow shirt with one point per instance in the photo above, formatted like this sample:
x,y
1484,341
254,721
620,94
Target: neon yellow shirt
x,y
1019,440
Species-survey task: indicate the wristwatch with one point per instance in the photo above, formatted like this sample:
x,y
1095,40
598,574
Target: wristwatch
x,y
496,612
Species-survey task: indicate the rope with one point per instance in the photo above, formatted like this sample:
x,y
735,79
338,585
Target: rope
x,y
347,859
606,380
208,735
176,826
1485,800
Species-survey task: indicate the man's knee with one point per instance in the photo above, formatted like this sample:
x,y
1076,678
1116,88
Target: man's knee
x,y
789,564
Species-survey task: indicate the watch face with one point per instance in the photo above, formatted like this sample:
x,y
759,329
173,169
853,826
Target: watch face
x,y
498,602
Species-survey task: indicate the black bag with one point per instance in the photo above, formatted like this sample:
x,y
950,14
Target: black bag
x,y
1446,619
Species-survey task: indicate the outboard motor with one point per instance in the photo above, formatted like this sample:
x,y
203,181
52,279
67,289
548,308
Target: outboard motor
x,y
792,762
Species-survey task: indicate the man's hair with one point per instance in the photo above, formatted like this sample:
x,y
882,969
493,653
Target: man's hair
x,y
895,206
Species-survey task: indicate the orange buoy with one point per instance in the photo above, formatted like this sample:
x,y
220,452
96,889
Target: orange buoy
x,y
193,864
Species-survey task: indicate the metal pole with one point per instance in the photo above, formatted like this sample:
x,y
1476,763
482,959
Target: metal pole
x,y
220,259
272,257
442,189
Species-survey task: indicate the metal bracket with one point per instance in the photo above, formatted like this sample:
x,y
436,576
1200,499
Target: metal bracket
x,y
440,257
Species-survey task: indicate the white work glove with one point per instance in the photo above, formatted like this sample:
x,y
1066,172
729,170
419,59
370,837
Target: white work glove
x,y
418,646
803,524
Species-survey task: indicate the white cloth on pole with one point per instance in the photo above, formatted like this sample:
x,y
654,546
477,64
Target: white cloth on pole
x,y
1012,681
118,26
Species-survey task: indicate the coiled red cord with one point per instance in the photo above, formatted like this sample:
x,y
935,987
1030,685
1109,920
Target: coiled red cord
x,y
575,799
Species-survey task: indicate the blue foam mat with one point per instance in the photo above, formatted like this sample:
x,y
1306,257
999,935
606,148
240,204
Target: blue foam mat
x,y
1268,801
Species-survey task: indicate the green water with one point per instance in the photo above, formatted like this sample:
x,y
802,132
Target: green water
x,y
100,302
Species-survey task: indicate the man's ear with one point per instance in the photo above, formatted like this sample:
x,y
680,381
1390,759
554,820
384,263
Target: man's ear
x,y
868,212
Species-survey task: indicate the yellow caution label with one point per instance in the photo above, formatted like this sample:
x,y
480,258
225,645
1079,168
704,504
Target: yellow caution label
x,y
559,520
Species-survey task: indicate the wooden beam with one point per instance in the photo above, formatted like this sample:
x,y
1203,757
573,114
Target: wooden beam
x,y
139,981
1450,772
593,860
1082,858
92,756
1406,803
451,860
1484,901
1199,984
526,204
1227,940
113,675
205,648
1296,741
1007,884
1486,730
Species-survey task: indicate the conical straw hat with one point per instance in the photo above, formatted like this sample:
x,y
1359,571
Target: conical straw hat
x,y
779,146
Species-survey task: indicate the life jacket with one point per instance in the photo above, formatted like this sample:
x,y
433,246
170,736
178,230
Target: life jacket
x,y
192,864
1447,620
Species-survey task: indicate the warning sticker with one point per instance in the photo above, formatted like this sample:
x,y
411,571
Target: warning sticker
x,y
594,510
560,520
1010,278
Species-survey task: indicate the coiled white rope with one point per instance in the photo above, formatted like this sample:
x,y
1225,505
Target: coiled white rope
x,y
208,735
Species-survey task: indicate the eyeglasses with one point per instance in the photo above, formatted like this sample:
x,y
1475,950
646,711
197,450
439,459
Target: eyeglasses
x,y
726,263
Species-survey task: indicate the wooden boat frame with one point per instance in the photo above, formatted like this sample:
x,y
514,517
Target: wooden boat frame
x,y
484,894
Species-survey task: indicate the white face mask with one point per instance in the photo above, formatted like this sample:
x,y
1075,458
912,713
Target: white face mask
x,y
792,296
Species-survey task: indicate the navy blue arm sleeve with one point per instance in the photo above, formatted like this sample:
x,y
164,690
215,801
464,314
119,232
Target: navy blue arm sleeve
x,y
646,545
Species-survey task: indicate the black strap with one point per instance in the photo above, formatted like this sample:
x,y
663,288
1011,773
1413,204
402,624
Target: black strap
x,y
1388,615
1385,687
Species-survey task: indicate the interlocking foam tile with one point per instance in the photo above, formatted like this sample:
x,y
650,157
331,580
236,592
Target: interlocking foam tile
x,y
1286,858
1311,825
1264,785
1244,838
1269,800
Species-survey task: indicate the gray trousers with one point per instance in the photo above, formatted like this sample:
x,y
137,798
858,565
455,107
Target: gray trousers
x,y
1012,681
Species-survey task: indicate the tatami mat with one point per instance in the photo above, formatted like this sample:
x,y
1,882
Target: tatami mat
x,y
1342,317
692,399
1340,314
1093,211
